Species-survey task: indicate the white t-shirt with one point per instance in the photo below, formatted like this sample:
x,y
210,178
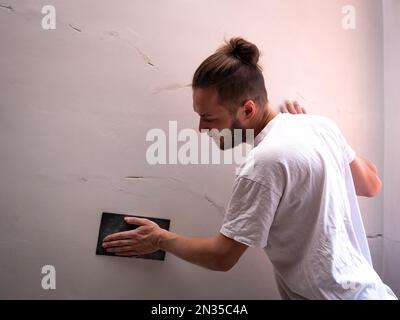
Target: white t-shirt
x,y
296,200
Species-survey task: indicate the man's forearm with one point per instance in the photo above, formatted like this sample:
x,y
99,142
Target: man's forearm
x,y
365,176
202,251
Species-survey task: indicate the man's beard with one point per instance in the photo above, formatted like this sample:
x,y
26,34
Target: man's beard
x,y
236,137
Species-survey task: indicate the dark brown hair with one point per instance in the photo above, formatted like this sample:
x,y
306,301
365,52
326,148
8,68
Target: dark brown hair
x,y
234,72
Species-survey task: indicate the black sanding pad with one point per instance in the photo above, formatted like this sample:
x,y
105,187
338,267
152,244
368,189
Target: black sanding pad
x,y
113,223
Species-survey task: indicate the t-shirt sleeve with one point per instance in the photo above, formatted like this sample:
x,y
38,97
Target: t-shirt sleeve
x,y
348,151
250,212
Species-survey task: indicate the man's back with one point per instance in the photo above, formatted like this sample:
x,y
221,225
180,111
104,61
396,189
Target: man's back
x,y
304,211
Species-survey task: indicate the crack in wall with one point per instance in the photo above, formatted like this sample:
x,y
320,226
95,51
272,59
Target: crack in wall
x,y
7,6
213,203
154,177
145,57
375,236
112,33
170,87
75,28
383,237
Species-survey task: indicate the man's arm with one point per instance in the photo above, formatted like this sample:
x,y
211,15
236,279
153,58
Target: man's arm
x,y
217,253
365,177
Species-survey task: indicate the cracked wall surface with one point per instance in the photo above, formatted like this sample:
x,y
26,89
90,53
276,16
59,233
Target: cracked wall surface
x,y
76,104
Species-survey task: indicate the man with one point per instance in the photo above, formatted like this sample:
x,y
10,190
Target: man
x,y
297,200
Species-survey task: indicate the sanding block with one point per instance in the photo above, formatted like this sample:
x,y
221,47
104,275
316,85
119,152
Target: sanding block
x,y
113,223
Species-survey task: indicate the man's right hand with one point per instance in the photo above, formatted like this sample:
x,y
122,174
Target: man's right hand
x,y
292,107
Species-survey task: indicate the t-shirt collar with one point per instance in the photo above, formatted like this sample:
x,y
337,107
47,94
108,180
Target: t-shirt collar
x,y
261,135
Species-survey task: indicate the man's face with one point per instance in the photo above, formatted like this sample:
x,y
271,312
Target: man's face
x,y
213,115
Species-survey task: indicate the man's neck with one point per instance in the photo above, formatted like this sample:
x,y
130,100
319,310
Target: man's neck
x,y
267,116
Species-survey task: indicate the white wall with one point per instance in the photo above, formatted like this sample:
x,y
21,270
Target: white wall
x,y
75,107
392,146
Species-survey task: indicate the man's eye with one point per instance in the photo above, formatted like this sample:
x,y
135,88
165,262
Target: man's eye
x,y
207,120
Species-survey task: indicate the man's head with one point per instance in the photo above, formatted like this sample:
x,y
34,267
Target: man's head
x,y
229,90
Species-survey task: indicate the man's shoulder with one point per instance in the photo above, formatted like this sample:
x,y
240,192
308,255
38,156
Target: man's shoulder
x,y
325,121
262,162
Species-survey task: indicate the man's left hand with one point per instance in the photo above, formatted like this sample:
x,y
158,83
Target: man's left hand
x,y
143,240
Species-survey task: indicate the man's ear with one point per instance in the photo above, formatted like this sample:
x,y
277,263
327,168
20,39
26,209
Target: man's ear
x,y
249,108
